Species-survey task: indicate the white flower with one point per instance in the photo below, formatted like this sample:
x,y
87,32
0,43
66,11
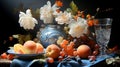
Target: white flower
x,y
78,28
46,12
64,18
26,20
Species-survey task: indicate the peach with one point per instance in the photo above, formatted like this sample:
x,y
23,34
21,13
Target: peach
x,y
18,48
39,48
30,46
52,51
83,51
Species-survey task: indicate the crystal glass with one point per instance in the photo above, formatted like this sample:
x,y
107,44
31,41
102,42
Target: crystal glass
x,y
103,31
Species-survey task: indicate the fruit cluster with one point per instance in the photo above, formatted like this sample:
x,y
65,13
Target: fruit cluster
x,y
29,47
66,48
7,56
62,49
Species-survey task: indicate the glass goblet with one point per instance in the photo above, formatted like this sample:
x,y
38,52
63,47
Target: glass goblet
x,y
102,28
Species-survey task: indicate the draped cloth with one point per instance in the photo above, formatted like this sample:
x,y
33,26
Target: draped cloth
x,y
66,62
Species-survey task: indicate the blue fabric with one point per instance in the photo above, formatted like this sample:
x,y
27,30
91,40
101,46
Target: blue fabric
x,y
70,62
26,63
66,62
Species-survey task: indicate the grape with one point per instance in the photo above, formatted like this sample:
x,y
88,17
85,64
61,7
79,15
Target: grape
x,y
62,53
95,52
75,53
64,44
72,44
97,46
92,58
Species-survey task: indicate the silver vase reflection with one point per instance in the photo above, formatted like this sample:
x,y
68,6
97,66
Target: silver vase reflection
x,y
102,28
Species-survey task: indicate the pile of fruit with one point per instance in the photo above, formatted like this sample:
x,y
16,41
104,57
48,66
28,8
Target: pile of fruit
x,y
58,51
7,56
29,47
66,48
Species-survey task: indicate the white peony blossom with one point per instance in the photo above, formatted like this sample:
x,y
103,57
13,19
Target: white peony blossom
x,y
64,18
26,20
46,12
78,28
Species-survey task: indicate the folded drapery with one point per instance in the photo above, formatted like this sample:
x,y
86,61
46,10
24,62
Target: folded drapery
x,y
25,63
70,62
66,62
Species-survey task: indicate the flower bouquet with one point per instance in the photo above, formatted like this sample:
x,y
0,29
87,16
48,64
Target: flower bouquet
x,y
75,26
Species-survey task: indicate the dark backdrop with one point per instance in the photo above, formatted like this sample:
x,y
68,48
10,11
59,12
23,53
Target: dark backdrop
x,y
9,10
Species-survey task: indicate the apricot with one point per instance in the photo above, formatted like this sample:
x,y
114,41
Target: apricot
x,y
83,51
52,51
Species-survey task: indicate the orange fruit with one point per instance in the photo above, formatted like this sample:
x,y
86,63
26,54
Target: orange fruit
x,y
39,48
83,51
52,51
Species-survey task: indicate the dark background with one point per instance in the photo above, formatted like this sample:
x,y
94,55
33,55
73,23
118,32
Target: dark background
x,y
9,15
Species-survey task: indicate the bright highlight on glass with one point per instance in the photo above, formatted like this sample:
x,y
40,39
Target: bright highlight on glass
x,y
103,31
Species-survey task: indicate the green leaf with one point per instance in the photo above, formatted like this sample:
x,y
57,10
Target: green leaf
x,y
73,7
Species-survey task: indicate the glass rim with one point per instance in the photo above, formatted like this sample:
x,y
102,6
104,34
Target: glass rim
x,y
109,21
103,19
